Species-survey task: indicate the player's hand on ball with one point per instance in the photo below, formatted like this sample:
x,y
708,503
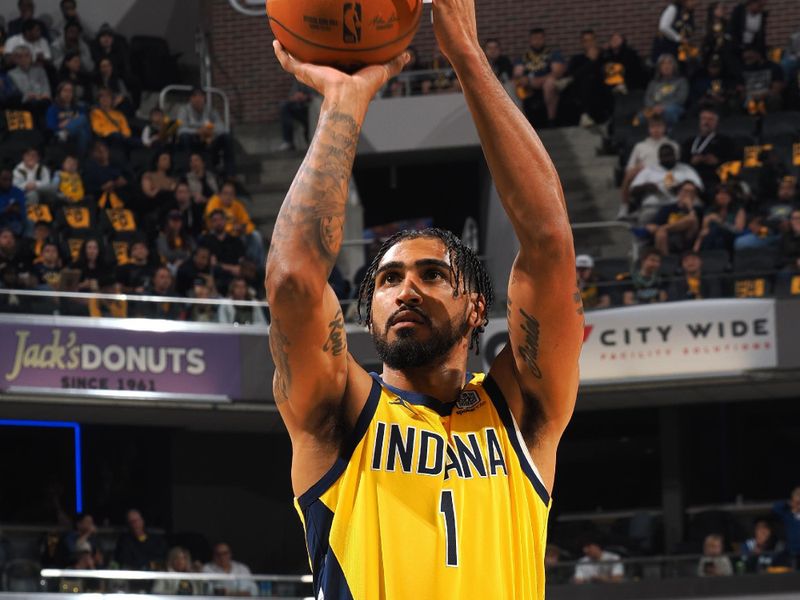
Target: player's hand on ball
x,y
325,80
456,27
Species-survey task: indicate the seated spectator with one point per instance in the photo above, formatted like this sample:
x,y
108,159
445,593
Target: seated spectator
x,y
137,274
691,284
203,288
654,187
748,26
82,539
593,97
202,182
110,46
31,37
161,284
238,222
9,94
536,79
67,119
67,182
725,220
190,270
106,77
14,254
592,293
227,249
714,563
174,244
33,178
763,551
137,549
295,110
109,123
160,130
622,66
790,242
69,14
103,180
32,83
763,83
92,266
644,286
158,186
238,290
71,43
715,88
708,149
191,211
47,269
203,130
667,93
27,10
756,235
598,566
675,226
717,41
13,214
222,562
789,513
179,560
253,274
501,64
72,70
42,234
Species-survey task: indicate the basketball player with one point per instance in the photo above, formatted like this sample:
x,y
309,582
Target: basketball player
x,y
425,481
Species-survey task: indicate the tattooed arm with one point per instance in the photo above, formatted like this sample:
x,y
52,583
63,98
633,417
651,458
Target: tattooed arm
x,y
307,335
538,372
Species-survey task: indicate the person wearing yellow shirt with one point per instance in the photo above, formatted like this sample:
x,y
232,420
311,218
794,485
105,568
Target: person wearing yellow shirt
x,y
108,122
239,223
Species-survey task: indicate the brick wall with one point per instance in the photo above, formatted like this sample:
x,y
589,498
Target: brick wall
x,y
245,66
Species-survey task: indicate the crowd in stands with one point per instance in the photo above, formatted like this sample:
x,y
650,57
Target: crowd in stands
x,y
95,198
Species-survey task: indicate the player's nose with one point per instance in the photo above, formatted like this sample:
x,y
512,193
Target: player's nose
x,y
408,294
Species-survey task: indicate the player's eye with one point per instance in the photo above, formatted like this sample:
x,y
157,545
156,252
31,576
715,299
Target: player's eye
x,y
433,274
390,277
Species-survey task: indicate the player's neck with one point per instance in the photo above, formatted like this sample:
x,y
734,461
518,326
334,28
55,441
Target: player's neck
x,y
443,382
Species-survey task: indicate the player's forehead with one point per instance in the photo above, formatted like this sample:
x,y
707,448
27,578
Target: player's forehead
x,y
410,251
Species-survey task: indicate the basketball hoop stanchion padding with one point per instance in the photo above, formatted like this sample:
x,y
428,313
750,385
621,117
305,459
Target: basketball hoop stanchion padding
x,y
344,34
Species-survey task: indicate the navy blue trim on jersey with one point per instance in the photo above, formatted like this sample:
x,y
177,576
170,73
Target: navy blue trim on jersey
x,y
501,406
328,574
348,447
442,408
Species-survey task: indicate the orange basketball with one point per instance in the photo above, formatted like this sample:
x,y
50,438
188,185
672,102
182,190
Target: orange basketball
x,y
347,35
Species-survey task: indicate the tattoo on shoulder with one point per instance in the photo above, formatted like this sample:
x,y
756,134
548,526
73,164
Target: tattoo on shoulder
x,y
336,342
279,345
529,350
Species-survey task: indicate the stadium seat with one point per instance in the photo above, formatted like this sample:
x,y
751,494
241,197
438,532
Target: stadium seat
x,y
738,125
607,269
787,285
669,265
715,261
781,123
753,272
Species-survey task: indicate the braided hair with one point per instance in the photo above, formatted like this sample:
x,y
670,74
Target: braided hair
x,y
468,273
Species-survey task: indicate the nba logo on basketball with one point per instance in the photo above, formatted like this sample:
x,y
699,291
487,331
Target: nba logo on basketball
x,y
351,23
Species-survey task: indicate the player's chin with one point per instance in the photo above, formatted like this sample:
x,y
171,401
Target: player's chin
x,y
408,330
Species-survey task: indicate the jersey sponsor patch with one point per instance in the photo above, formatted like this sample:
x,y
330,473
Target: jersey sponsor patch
x,y
468,401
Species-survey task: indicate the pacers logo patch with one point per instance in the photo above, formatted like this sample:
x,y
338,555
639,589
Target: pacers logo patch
x,y
351,23
468,401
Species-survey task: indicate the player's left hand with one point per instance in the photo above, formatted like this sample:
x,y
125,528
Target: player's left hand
x,y
456,27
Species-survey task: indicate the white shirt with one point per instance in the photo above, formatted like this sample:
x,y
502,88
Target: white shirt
x,y
665,23
241,585
39,47
752,25
667,179
608,566
646,151
23,176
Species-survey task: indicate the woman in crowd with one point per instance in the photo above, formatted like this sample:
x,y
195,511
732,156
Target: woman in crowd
x,y
107,78
158,186
174,244
723,222
91,265
178,561
72,70
66,118
202,182
667,93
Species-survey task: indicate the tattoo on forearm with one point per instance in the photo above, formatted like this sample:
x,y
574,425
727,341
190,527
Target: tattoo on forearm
x,y
578,299
529,350
279,345
336,342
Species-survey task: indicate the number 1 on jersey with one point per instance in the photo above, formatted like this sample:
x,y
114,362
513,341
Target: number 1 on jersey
x,y
448,509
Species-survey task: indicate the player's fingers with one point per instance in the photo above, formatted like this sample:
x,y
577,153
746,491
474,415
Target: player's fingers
x,y
288,63
394,66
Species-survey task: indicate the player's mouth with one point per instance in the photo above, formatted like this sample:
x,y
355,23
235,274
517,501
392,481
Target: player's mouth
x,y
408,318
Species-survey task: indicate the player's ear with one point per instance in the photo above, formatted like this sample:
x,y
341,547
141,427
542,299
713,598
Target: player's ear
x,y
477,314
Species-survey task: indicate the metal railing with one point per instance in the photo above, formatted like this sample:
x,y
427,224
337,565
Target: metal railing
x,y
211,92
249,8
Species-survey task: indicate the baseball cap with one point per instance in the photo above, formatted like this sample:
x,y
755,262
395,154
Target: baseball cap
x,y
584,261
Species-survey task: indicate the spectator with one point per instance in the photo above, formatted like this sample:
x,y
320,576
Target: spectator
x,y
13,214
190,270
222,562
654,187
622,66
203,288
253,274
763,551
295,110
790,242
675,29
82,539
756,235
32,38
667,93
713,562
598,565
500,63
69,13
108,123
103,180
13,253
674,228
594,98
71,42
67,182
708,149
538,75
91,265
556,572
692,284
789,513
173,244
137,274
645,285
592,294
33,178
190,210
47,269
72,70
179,560
238,222
228,250
27,9
160,131
748,26
714,87
763,82
67,119
31,82
717,41
203,130
158,186
723,222
239,291
108,45
9,94
202,182
107,77
137,549
161,284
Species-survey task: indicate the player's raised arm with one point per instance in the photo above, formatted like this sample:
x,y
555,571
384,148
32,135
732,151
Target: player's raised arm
x,y
544,313
307,335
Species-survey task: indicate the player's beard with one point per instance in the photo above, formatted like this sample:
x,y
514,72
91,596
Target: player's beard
x,y
408,352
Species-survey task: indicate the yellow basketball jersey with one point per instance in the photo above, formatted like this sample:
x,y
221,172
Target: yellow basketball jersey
x,y
429,501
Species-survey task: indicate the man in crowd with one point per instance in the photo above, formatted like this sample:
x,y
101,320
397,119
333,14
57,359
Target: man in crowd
x,y
675,226
136,548
32,177
645,285
137,273
72,41
12,204
295,111
537,78
593,97
31,37
748,25
13,253
27,10
48,268
222,563
100,176
203,130
708,149
31,81
190,270
592,294
190,209
238,221
692,285
598,565
501,64
714,563
82,538
161,284
228,250
789,514
763,82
